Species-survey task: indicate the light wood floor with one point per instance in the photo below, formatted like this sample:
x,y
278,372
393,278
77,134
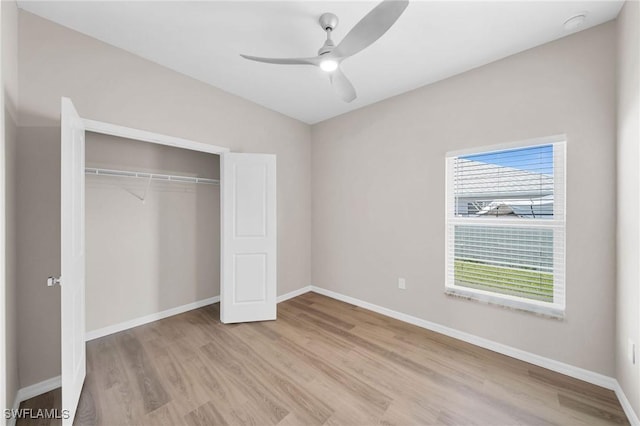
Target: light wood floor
x,y
323,362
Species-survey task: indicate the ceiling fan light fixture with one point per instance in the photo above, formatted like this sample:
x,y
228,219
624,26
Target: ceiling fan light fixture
x,y
329,65
369,29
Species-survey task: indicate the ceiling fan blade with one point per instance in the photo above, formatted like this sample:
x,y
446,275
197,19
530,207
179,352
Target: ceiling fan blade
x,y
371,27
342,85
284,61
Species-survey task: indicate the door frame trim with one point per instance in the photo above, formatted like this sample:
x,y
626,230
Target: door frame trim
x,y
151,137
144,136
3,257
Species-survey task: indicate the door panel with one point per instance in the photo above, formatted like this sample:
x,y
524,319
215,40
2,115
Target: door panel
x,y
72,258
250,195
250,277
248,273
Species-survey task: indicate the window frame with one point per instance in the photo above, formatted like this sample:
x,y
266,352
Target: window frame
x,y
557,224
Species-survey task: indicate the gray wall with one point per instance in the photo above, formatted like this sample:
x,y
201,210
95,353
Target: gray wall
x,y
109,84
10,88
150,255
628,238
378,186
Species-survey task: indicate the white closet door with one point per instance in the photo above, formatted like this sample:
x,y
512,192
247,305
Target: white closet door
x,y
73,258
248,231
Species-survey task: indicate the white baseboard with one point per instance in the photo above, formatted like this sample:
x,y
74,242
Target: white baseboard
x,y
35,389
626,406
116,328
548,363
560,367
293,294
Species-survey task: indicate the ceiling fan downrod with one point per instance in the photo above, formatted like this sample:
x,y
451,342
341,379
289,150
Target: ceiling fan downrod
x,y
328,22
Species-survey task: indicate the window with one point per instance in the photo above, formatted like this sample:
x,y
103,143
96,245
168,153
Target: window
x,y
506,225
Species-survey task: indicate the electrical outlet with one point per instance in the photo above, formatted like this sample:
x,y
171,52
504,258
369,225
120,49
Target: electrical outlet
x,y
631,354
402,284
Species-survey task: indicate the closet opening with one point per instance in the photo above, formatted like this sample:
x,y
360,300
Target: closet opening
x,y
152,218
171,238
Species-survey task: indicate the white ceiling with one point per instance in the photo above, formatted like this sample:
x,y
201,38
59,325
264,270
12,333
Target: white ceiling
x,y
431,41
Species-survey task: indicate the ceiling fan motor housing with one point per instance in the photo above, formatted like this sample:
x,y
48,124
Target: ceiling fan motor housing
x,y
326,47
328,21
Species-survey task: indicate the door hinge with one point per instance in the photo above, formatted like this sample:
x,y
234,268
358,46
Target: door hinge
x,y
52,281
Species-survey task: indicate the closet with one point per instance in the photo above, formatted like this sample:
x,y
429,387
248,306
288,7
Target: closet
x,y
152,217
145,234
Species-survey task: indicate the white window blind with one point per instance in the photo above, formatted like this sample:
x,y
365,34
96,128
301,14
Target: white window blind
x,y
506,225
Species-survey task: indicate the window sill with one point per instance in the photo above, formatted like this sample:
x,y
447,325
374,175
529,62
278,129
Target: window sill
x,y
504,302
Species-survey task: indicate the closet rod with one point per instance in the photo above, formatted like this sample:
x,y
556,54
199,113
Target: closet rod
x,y
153,176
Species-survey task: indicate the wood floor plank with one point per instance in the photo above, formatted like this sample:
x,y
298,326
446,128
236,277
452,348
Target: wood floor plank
x,y
146,376
181,381
88,411
167,415
273,410
332,319
49,400
574,385
591,409
205,415
323,362
308,407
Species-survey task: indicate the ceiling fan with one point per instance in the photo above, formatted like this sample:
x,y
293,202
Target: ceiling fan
x,y
362,35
